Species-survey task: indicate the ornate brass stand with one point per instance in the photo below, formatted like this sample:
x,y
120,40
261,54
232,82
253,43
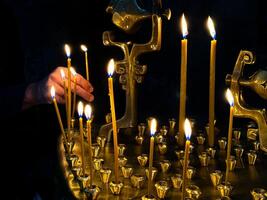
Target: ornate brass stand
x,y
127,15
257,83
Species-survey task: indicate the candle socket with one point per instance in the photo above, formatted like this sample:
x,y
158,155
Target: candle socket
x,y
177,181
98,163
95,150
237,134
200,139
153,174
159,139
105,175
84,182
224,189
101,141
115,188
162,189
204,159
127,171
172,123
182,162
164,130
239,151
73,123
142,159
121,149
211,151
139,139
216,177
165,165
148,197
193,191
141,129
232,162
93,192
108,118
162,148
177,138
252,157
190,172
179,154
122,161
222,143
138,180
256,145
72,160
258,194
69,145
76,171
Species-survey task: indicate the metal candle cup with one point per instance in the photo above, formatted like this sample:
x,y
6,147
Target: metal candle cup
x,y
216,177
162,189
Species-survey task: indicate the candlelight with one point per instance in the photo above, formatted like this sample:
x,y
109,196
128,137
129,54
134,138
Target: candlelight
x,y
67,50
53,92
88,111
84,48
229,96
153,127
80,109
211,27
184,26
111,67
187,129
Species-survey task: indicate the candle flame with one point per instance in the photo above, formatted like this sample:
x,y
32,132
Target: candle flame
x,y
80,109
88,111
62,74
83,47
73,72
53,92
184,26
111,67
153,126
67,50
187,129
211,27
229,96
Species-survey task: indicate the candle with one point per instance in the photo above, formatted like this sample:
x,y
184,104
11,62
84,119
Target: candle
x,y
63,77
111,66
74,74
188,131
153,129
53,96
88,114
80,112
67,49
230,99
212,82
84,48
183,75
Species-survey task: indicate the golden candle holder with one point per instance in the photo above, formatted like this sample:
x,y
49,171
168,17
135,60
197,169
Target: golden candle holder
x,y
204,159
162,148
138,181
252,157
121,149
141,129
222,143
95,150
232,161
93,192
127,171
172,123
105,175
258,194
191,171
237,134
193,191
239,151
211,151
154,173
148,197
256,145
139,139
72,160
77,172
163,130
181,161
200,139
73,123
115,188
101,141
179,154
225,189
191,148
165,165
177,181
122,161
69,145
84,182
98,163
162,188
216,177
159,139
142,160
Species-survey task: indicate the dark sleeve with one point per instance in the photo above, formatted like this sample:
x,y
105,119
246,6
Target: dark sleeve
x,y
11,100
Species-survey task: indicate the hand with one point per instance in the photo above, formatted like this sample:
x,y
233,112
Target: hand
x,y
38,93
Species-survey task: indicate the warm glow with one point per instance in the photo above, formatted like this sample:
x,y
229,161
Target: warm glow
x,y
111,67
53,92
153,126
229,96
211,27
80,109
88,111
73,72
67,50
187,129
62,74
184,26
83,47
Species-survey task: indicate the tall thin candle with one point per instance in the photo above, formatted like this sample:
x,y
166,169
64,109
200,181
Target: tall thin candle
x,y
80,112
212,82
183,75
230,99
84,48
63,77
111,66
74,74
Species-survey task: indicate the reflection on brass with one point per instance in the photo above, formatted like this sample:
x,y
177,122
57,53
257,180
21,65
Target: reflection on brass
x,y
211,151
177,181
101,141
137,180
165,165
162,189
222,143
258,193
162,148
122,161
252,157
200,139
142,159
115,188
257,83
232,161
172,123
141,129
154,173
128,16
121,149
105,175
127,171
216,177
98,163
139,139
193,191
204,159
190,172
224,189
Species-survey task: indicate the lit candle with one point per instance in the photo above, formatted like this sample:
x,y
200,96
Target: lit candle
x,y
183,73
53,96
111,66
80,112
153,129
88,114
84,49
73,72
63,77
188,131
230,99
212,82
67,49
